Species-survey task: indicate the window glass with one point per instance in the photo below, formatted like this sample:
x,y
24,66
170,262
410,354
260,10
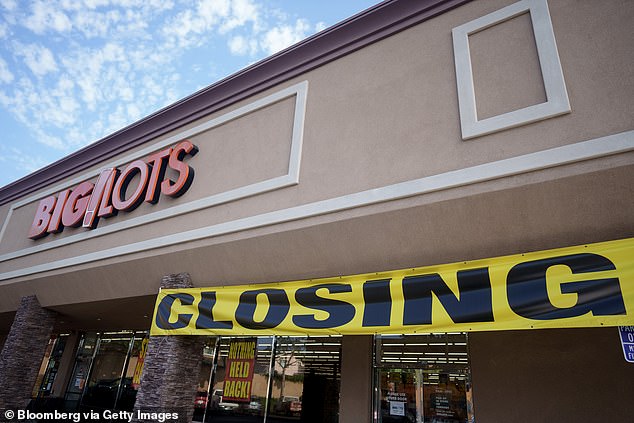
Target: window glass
x,y
298,380
115,370
204,378
132,376
306,379
240,390
107,372
49,367
423,378
83,360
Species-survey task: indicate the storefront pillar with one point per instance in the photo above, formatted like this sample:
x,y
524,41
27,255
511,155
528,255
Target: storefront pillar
x,y
66,365
355,405
171,368
23,352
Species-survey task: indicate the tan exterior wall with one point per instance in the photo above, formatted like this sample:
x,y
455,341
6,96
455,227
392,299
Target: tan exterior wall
x,y
557,375
356,379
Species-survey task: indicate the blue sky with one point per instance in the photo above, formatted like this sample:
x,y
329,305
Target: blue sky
x,y
74,71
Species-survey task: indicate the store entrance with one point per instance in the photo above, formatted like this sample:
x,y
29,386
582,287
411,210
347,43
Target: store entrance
x,y
107,371
422,378
270,380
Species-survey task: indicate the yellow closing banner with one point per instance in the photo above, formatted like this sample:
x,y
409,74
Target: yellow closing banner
x,y
581,286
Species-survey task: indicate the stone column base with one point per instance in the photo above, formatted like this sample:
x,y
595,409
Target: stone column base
x,y
23,352
171,368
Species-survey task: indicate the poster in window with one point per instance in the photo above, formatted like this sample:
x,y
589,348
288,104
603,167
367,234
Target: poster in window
x,y
239,370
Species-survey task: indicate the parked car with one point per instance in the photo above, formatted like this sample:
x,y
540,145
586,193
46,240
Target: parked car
x,y
255,406
292,405
218,403
200,401
103,394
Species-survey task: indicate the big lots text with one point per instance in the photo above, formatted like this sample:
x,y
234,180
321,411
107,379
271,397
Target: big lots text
x,y
112,192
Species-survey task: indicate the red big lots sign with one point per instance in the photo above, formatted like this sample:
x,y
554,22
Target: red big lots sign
x,y
87,202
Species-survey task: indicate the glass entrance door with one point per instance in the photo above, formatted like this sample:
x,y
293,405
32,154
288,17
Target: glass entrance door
x,y
422,379
107,371
273,380
401,395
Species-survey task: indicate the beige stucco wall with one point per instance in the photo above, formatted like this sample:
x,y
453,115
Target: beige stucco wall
x,y
382,115
356,379
550,375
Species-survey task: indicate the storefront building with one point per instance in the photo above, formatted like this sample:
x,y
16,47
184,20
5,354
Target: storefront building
x,y
421,214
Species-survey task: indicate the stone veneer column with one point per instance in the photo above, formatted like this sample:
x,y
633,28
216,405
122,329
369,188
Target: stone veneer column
x,y
171,368
23,352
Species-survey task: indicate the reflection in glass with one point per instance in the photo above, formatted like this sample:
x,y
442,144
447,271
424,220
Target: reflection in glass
x,y
306,379
220,409
294,379
132,375
49,367
423,378
81,369
114,371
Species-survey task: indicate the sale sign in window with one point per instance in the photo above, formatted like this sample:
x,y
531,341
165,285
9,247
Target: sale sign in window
x,y
239,370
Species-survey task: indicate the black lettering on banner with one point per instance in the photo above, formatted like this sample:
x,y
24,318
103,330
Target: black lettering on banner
x,y
528,295
205,313
278,308
340,312
378,303
165,308
474,305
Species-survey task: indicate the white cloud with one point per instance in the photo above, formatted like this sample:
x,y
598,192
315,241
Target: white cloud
x,y
46,17
5,74
241,46
112,52
38,58
193,27
93,4
238,45
21,160
243,11
4,30
117,119
320,26
280,37
211,10
95,66
45,138
93,24
96,71
133,111
126,94
9,5
90,92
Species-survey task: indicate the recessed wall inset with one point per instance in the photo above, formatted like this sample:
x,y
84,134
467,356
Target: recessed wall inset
x,y
508,71
507,77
